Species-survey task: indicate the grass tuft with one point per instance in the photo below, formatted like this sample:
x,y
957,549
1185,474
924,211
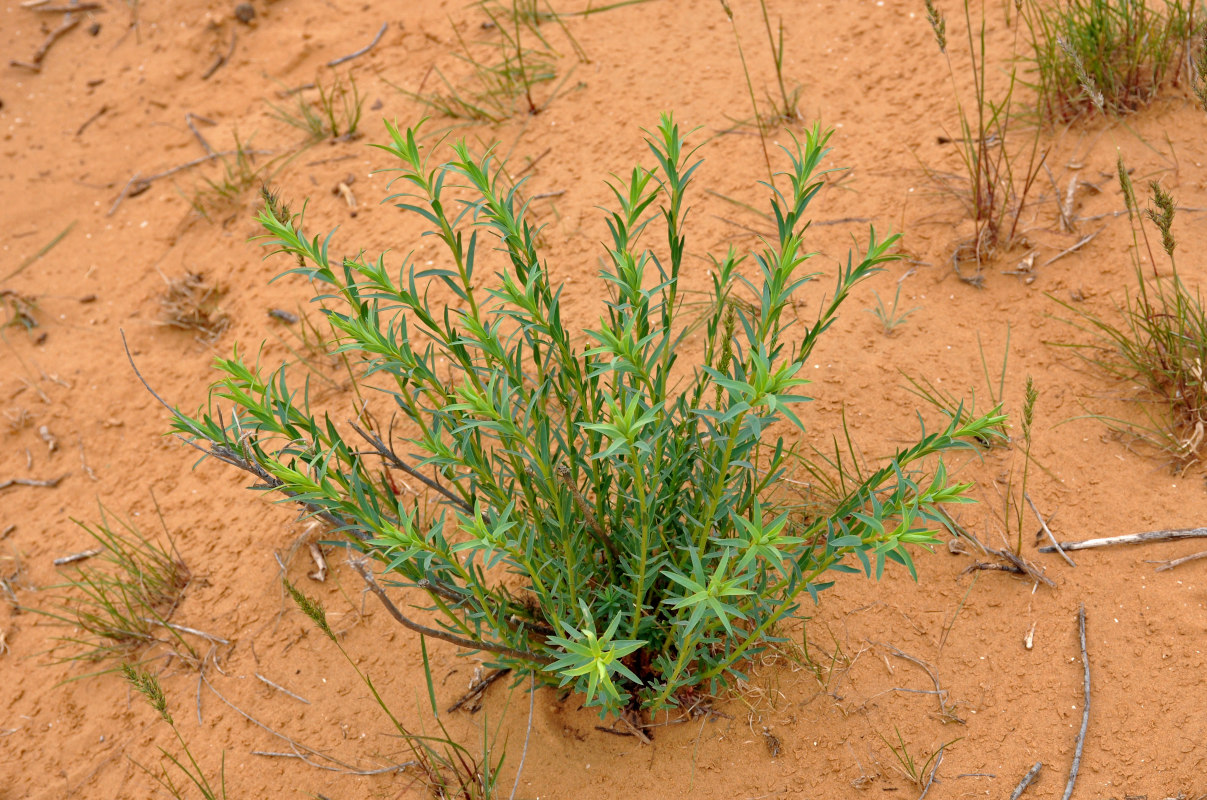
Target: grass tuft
x,y
121,597
1198,61
889,316
505,71
1157,340
448,769
993,190
1109,55
333,115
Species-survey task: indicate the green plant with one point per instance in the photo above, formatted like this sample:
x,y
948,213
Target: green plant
x,y
1159,343
449,769
334,115
148,686
629,496
991,191
888,316
124,605
1110,54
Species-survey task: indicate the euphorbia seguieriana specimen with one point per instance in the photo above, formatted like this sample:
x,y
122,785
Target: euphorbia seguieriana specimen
x,y
592,509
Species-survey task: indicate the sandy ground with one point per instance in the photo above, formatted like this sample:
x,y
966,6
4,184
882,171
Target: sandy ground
x,y
111,105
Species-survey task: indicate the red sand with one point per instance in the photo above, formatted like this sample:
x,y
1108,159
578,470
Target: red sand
x,y
113,105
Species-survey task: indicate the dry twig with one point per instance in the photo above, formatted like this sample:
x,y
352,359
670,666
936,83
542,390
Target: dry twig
x,y
933,770
35,63
49,9
1133,538
478,688
92,119
527,733
335,62
49,484
1176,562
1085,714
282,689
1026,781
75,557
944,712
1082,242
188,120
222,59
1043,524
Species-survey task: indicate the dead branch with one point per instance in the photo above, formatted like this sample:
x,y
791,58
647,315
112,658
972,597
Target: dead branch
x,y
1133,538
1043,524
222,59
478,688
406,622
1026,781
335,62
1176,562
390,456
35,63
48,484
1085,714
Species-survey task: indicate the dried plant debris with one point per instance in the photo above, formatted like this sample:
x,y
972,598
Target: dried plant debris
x,y
191,303
18,309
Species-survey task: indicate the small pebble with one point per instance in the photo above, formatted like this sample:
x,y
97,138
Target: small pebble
x,y
245,13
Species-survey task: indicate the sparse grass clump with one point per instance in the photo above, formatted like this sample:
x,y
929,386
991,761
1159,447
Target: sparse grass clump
x,y
119,596
993,188
334,114
191,303
890,316
1158,339
599,512
1198,64
1113,55
964,408
506,70
238,173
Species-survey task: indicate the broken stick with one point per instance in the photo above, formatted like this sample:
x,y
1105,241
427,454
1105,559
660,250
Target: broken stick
x,y
49,484
35,63
1176,562
335,62
1043,524
1026,781
1133,538
1085,714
